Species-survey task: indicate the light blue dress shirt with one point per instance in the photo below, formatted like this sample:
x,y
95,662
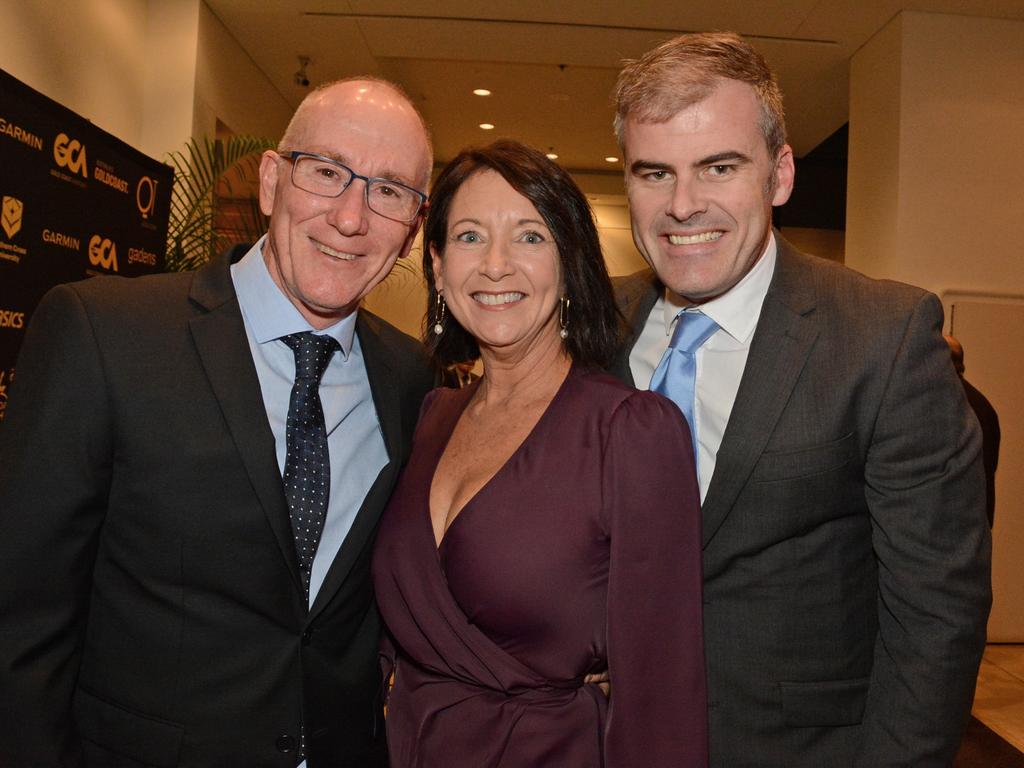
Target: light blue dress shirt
x,y
354,439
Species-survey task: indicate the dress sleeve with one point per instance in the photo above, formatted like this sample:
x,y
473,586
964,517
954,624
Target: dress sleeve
x,y
658,708
428,401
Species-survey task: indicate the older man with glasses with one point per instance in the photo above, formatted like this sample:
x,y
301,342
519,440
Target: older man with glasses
x,y
193,470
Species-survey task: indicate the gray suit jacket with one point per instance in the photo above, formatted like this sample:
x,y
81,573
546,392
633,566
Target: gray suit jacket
x,y
846,550
151,610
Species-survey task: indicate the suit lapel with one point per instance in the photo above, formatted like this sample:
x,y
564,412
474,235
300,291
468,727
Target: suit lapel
x,y
223,347
635,295
785,334
387,402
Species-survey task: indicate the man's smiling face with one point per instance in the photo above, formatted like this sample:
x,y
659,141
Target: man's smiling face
x,y
327,253
701,188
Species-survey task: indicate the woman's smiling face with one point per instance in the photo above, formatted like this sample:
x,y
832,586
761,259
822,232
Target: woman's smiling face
x,y
500,271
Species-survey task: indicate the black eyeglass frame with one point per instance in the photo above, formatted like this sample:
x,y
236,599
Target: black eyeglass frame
x,y
294,155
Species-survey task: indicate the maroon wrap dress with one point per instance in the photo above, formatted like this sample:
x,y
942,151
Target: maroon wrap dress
x,y
582,553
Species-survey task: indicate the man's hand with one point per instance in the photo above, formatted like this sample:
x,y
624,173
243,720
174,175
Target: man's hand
x,y
604,682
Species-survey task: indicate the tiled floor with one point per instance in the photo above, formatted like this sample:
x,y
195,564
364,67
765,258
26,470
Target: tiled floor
x,y
999,697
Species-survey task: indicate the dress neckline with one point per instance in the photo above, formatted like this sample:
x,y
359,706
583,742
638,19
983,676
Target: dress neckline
x,y
471,501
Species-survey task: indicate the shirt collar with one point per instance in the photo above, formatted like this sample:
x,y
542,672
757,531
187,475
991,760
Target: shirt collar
x,y
268,312
737,310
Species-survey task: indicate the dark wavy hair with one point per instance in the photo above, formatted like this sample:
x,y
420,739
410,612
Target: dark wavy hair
x,y
594,322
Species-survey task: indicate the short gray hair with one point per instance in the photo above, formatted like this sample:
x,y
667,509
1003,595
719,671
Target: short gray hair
x,y
685,70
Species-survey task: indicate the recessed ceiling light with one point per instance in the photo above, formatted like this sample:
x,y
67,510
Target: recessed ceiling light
x,y
481,92
611,159
552,156
487,126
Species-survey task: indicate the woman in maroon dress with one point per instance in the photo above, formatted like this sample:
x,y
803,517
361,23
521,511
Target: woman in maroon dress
x,y
547,525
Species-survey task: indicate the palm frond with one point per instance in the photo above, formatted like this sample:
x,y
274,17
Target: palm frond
x,y
206,172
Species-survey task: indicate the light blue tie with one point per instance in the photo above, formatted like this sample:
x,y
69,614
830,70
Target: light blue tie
x,y
676,374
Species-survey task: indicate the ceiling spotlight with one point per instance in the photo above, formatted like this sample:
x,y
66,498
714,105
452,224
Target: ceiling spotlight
x,y
487,126
301,77
551,156
611,159
481,92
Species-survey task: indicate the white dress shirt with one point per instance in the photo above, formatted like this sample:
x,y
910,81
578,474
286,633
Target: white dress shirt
x,y
721,359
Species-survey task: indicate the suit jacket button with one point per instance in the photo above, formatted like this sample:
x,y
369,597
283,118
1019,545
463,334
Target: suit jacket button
x,y
285,743
307,636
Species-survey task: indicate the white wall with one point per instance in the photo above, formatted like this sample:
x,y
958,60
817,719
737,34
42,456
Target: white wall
x,y
230,88
873,168
90,56
151,72
936,109
620,253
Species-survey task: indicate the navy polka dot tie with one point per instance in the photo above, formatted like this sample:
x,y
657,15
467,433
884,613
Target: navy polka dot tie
x,y
307,467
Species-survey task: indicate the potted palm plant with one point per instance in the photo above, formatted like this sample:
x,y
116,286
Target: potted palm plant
x,y
214,203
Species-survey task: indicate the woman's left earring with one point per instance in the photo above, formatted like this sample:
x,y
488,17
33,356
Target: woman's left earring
x,y
439,314
563,317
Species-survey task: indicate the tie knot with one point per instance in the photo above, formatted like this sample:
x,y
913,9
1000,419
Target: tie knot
x,y
312,353
692,330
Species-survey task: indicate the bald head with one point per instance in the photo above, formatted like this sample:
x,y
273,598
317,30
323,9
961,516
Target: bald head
x,y
361,100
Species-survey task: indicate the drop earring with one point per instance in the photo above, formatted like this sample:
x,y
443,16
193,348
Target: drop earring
x,y
563,317
439,314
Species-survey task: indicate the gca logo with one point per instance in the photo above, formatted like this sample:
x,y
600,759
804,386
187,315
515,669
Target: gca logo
x,y
10,219
70,153
102,253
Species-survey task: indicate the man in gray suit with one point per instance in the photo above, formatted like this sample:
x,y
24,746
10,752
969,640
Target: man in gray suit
x,y
846,550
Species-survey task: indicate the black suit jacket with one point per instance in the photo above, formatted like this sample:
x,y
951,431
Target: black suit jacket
x,y
151,610
846,550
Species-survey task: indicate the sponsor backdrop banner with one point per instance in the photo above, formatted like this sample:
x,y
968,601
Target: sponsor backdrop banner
x,y
76,202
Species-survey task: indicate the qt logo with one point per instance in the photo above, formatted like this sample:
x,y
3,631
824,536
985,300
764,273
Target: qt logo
x,y
102,253
70,153
145,196
10,219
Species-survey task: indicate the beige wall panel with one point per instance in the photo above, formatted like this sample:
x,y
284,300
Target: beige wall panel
x,y
990,331
872,192
962,213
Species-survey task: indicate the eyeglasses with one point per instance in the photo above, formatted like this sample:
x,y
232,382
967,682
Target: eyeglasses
x,y
329,178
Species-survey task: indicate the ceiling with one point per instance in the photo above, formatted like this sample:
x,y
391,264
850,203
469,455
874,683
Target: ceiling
x,y
551,65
